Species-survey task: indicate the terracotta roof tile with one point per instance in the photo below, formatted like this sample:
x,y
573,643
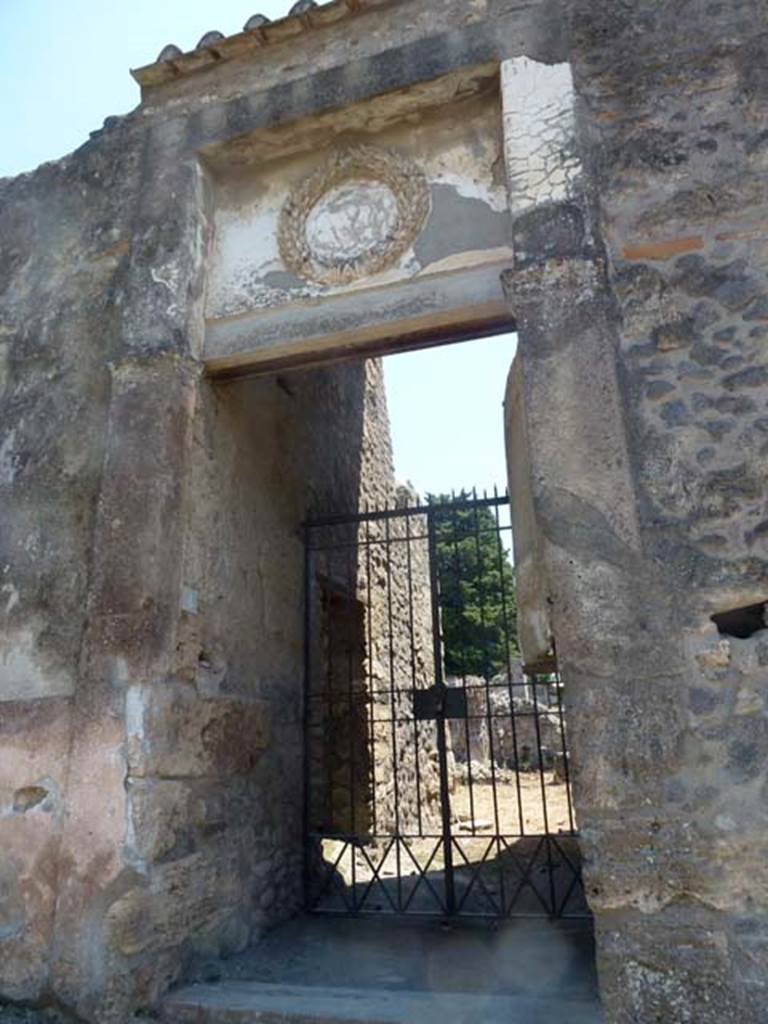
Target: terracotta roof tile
x,y
259,31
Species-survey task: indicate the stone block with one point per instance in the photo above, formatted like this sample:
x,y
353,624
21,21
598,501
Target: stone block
x,y
34,742
192,898
175,733
172,818
650,864
676,965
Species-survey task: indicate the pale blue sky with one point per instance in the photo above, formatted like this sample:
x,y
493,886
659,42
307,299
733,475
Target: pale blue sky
x,y
64,68
445,405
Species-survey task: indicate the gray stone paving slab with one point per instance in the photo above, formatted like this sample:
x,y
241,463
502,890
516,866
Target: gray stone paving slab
x,y
325,970
244,1002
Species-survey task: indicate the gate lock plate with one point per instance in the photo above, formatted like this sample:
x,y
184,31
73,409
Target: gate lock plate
x,y
439,701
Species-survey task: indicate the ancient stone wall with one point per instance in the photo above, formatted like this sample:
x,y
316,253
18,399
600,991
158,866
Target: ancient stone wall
x,y
340,746
374,766
678,160
151,688
634,148
401,659
64,239
648,520
216,786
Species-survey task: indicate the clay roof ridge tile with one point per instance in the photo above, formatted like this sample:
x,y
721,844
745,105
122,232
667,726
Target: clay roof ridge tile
x,y
258,30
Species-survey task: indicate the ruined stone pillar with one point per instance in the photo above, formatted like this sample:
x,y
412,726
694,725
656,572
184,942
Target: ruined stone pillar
x,y
134,604
678,897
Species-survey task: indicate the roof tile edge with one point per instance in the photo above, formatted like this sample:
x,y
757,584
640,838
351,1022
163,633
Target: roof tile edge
x,y
252,40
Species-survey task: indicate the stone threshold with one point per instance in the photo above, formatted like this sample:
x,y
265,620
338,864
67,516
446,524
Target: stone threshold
x,y
244,1002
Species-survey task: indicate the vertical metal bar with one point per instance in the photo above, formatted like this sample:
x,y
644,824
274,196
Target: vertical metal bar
x,y
352,723
327,702
489,709
371,696
537,725
393,712
566,767
489,713
442,748
306,717
505,618
467,736
409,572
550,867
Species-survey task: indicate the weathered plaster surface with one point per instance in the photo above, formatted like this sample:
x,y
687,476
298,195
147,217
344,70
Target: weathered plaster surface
x,y
64,239
214,752
466,226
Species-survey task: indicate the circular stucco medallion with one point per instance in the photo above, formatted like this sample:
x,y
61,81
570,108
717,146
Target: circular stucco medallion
x,y
352,219
355,216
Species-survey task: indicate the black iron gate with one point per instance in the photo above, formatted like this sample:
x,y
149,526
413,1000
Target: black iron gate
x,y
436,770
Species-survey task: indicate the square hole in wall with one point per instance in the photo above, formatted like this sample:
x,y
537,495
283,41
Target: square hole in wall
x,y
742,622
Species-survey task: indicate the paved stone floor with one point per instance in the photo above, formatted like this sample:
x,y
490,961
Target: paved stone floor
x,y
399,971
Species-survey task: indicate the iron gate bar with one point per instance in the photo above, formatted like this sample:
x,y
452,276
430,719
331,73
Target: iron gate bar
x,y
409,574
462,664
525,876
376,874
352,766
442,746
566,766
343,518
477,873
486,674
332,877
307,848
345,712
393,706
575,881
508,652
369,633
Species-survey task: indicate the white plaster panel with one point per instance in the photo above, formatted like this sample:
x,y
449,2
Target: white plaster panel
x,y
459,154
541,162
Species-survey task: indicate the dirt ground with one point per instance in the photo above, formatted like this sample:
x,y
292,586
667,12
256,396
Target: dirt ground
x,y
543,802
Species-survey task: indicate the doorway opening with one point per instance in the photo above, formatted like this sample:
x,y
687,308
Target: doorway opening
x,y
437,774
437,841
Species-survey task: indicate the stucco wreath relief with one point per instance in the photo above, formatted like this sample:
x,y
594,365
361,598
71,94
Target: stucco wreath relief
x,y
353,217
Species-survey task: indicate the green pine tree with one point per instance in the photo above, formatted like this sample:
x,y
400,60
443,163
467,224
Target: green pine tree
x,y
477,590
